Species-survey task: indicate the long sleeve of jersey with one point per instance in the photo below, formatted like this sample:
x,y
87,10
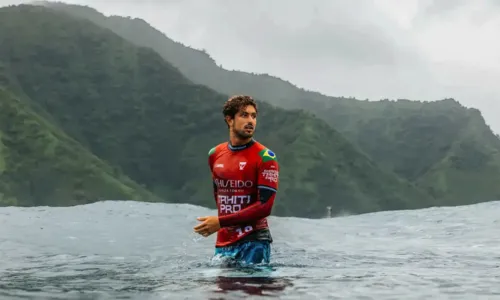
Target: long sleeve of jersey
x,y
215,192
214,186
267,184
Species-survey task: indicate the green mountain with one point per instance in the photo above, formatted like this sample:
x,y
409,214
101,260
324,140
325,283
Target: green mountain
x,y
411,138
469,171
138,113
41,165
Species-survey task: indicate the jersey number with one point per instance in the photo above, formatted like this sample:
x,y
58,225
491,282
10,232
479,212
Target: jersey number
x,y
247,229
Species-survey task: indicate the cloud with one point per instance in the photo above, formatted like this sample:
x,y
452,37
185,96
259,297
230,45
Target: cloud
x,y
413,49
425,50
441,7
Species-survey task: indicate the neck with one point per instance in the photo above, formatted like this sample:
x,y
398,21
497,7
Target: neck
x,y
239,144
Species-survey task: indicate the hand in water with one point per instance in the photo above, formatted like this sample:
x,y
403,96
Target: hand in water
x,y
210,225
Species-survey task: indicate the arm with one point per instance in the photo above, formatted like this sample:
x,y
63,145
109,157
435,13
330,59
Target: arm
x,y
210,165
267,184
210,223
215,191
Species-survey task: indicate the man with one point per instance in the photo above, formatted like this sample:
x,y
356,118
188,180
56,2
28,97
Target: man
x,y
245,181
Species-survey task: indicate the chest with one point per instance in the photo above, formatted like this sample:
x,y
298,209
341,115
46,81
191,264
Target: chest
x,y
230,166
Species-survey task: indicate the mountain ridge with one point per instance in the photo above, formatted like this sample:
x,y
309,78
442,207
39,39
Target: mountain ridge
x,y
448,150
128,106
342,113
406,137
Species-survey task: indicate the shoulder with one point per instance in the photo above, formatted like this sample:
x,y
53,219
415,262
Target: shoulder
x,y
265,154
217,149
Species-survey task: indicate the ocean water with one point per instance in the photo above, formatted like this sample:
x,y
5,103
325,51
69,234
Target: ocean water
x,y
131,250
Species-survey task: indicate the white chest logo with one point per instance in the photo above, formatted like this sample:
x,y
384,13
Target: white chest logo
x,y
242,164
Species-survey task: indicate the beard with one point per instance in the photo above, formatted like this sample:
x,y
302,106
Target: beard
x,y
242,134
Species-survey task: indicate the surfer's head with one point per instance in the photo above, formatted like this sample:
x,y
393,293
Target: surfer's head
x,y
240,115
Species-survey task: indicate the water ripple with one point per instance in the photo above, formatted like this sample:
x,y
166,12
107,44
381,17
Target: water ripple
x,y
129,250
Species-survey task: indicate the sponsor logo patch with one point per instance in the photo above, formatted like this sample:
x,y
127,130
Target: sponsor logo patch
x,y
271,175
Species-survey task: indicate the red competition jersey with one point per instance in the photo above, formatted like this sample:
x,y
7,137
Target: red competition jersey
x,y
245,184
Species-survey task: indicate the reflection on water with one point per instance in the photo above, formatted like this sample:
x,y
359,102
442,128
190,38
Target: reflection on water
x,y
260,286
227,275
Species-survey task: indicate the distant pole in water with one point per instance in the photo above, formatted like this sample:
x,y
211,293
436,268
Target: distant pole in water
x,y
328,211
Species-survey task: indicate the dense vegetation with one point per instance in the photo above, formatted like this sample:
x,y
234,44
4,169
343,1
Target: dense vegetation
x,y
40,165
423,142
139,114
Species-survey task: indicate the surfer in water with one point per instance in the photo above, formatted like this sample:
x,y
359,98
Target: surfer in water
x,y
245,182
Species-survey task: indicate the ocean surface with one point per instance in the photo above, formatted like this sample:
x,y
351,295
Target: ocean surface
x,y
131,250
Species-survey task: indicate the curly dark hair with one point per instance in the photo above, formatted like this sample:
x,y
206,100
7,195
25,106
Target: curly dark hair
x,y
235,103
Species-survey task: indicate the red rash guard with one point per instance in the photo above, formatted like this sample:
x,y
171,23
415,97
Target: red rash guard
x,y
245,184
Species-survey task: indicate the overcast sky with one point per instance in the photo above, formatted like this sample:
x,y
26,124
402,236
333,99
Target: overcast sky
x,y
413,49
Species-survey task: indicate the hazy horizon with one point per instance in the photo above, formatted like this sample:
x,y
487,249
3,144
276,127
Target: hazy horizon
x,y
369,49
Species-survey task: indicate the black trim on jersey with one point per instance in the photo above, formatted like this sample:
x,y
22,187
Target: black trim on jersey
x,y
266,187
240,147
265,193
